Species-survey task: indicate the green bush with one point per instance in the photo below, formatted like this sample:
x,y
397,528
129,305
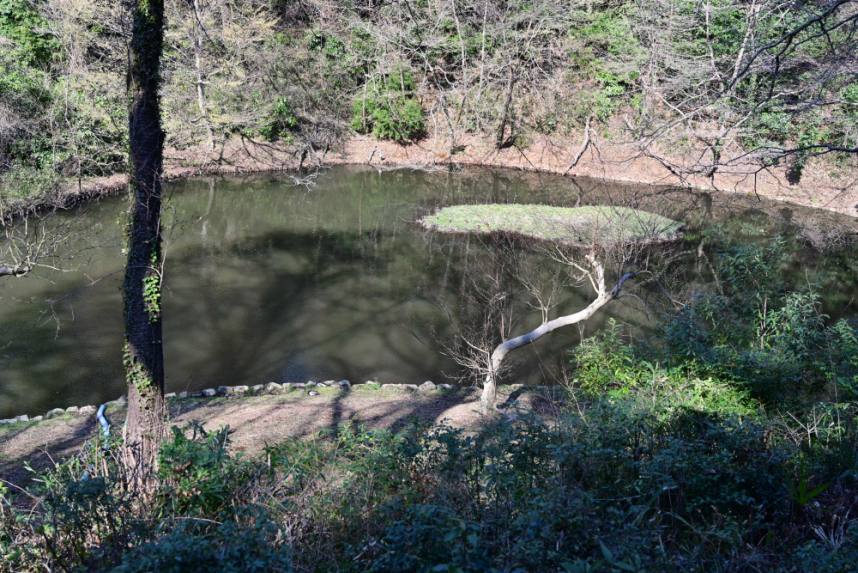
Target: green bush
x,y
280,122
391,112
756,333
23,186
399,120
246,541
604,362
197,475
677,475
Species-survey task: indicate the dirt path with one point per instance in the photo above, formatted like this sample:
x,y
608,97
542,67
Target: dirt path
x,y
255,420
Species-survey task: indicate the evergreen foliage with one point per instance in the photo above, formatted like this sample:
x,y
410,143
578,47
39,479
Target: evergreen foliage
x,y
390,112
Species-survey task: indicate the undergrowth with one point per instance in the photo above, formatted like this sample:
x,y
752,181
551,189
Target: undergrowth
x,y
681,474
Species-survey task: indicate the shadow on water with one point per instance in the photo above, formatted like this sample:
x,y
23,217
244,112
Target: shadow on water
x,y
267,282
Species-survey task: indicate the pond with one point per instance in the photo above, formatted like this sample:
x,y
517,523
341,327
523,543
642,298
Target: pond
x,y
268,281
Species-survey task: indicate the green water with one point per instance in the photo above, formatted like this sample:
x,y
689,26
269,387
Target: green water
x,y
268,281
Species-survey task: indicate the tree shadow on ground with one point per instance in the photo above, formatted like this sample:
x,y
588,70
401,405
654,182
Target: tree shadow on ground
x,y
268,419
41,449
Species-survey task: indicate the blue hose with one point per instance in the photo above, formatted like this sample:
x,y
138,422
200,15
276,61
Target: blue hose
x,y
105,426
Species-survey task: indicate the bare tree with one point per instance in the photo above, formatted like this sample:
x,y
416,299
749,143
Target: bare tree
x,y
590,269
41,239
520,49
216,67
776,87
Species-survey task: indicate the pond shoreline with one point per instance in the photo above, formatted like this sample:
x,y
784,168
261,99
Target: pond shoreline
x,y
548,155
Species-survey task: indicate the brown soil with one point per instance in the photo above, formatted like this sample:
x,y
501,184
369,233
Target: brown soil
x,y
255,420
820,187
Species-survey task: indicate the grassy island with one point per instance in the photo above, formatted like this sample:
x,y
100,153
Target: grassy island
x,y
578,225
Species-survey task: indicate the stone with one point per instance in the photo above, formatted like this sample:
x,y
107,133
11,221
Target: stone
x,y
411,387
223,390
22,418
345,384
238,389
313,393
273,387
390,386
446,386
36,419
322,384
258,388
71,410
196,394
170,395
87,410
8,421
122,399
209,392
183,394
330,382
298,386
427,386
54,412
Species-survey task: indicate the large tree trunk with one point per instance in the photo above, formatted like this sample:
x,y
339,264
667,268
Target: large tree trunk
x,y
143,353
604,297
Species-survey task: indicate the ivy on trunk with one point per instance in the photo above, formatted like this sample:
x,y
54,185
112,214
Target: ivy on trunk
x,y
143,354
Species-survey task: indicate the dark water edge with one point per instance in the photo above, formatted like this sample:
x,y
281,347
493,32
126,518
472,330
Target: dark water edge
x,y
271,282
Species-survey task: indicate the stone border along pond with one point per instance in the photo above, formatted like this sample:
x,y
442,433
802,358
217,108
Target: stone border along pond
x,y
260,389
577,226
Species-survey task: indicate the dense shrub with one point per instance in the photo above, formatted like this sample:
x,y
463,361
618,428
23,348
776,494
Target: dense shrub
x,y
22,186
244,542
390,111
756,333
604,362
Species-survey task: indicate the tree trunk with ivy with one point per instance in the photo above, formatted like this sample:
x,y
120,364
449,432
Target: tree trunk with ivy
x,y
143,352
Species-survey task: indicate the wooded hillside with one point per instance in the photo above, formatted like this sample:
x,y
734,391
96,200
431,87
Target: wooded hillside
x,y
722,85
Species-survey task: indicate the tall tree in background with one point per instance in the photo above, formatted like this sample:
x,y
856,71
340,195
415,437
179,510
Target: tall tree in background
x,y
143,353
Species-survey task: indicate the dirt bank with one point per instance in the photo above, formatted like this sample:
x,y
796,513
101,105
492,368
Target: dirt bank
x,y
821,187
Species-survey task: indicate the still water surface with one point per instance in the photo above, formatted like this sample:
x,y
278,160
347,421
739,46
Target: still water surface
x,y
269,281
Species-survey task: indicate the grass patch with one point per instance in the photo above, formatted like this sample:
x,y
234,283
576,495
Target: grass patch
x,y
578,225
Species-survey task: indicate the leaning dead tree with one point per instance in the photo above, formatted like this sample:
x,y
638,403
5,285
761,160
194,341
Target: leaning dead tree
x,y
590,268
501,276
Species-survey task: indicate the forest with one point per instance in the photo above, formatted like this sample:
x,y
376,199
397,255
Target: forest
x,y
708,422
